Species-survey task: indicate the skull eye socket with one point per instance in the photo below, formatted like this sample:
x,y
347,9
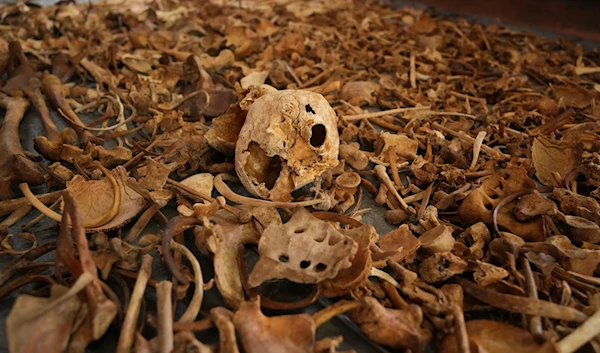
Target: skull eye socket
x,y
318,135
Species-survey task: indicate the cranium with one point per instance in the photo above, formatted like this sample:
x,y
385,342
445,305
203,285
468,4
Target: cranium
x,y
289,138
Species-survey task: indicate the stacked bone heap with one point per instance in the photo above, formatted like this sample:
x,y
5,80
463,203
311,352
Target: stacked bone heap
x,y
173,169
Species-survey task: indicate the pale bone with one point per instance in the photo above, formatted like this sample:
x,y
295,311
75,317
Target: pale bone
x,y
289,138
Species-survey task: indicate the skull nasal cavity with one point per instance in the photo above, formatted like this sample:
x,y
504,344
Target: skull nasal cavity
x,y
319,133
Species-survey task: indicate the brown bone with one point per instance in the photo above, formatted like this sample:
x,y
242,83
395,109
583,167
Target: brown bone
x,y
53,89
14,164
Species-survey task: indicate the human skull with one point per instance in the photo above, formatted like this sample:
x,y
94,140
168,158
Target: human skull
x,y
289,138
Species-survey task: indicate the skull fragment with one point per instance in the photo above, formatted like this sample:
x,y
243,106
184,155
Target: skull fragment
x,y
289,138
303,250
